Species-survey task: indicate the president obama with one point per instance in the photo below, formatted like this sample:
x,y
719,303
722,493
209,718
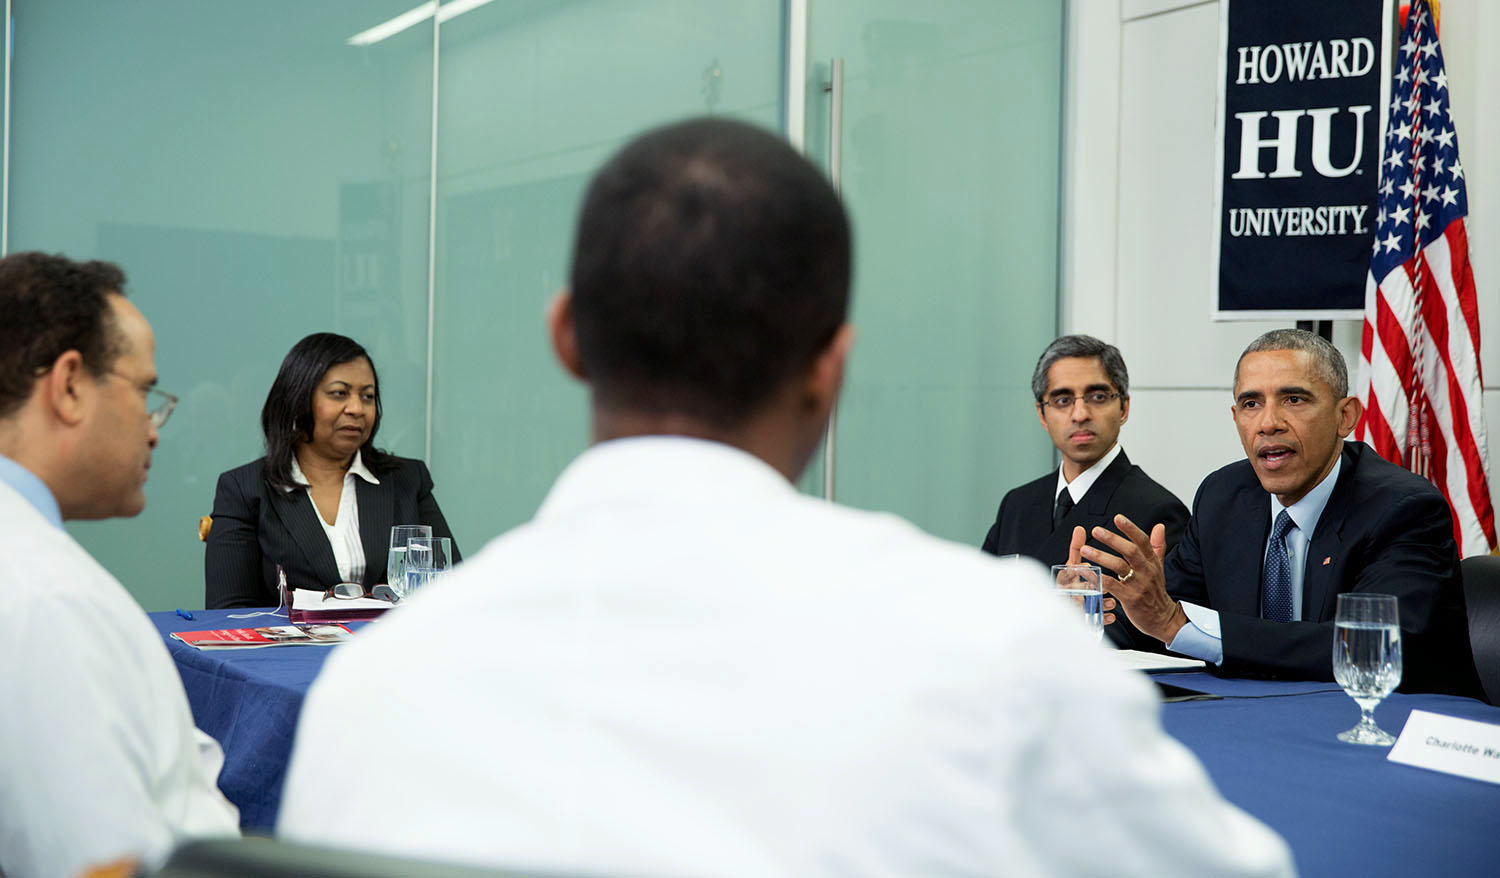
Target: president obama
x,y
1275,538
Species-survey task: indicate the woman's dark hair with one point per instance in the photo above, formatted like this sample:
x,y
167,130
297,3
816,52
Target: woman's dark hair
x,y
287,416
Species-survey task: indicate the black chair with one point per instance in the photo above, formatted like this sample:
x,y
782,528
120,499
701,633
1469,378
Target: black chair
x,y
267,858
1482,594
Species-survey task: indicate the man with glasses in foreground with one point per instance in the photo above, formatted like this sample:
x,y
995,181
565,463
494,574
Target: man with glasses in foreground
x,y
1082,392
100,761
681,665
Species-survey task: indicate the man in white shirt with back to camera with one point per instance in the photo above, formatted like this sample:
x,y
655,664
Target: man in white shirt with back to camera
x,y
99,758
683,666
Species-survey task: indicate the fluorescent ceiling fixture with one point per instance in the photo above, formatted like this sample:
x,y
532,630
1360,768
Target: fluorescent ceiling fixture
x,y
395,26
413,17
458,7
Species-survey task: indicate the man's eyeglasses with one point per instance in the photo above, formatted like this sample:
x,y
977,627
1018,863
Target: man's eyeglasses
x,y
159,403
1093,399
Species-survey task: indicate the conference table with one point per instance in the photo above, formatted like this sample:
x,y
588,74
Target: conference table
x,y
1269,746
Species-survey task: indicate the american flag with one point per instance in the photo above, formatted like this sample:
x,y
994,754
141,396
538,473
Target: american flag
x,y
1419,370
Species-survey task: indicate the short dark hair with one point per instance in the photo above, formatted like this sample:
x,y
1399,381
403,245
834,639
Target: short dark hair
x,y
52,305
1328,363
1082,346
711,265
287,417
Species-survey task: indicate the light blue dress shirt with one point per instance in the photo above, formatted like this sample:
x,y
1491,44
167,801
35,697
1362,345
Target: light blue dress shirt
x,y
33,489
1201,638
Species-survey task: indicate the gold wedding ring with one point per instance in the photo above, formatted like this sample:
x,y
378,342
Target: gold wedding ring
x,y
1128,574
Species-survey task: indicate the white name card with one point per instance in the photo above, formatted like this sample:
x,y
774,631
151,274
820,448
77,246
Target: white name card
x,y
1450,745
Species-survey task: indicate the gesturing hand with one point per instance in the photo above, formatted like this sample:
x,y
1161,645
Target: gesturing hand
x,y
1075,557
1138,582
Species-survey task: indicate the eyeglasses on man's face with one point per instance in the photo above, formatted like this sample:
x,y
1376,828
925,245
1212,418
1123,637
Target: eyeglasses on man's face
x,y
1093,399
159,403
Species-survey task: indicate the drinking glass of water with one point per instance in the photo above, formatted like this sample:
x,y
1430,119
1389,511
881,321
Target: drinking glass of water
x,y
1082,585
395,559
427,558
1367,659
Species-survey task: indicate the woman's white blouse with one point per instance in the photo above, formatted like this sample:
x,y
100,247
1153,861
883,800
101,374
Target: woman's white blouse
x,y
343,534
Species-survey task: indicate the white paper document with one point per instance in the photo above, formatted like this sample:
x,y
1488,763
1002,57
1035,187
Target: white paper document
x,y
1136,660
1449,744
306,599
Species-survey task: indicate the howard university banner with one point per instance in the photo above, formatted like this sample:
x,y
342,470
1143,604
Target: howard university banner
x,y
1302,93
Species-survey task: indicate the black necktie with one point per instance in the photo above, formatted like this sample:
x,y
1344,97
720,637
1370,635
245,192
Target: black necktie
x,y
1276,596
1064,506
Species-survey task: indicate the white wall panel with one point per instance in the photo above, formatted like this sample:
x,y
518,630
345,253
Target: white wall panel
x,y
1180,436
1130,9
1091,143
1469,31
1168,66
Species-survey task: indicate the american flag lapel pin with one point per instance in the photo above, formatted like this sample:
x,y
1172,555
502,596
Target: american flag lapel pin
x,y
1328,560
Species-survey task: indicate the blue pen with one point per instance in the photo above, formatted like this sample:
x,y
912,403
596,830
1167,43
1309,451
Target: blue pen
x,y
184,614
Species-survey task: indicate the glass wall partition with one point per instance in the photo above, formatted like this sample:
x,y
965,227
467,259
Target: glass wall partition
x,y
259,179
264,171
950,157
533,98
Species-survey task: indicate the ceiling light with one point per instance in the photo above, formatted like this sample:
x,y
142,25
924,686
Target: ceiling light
x,y
413,17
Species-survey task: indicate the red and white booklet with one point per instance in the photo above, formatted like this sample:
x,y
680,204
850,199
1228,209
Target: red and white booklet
x,y
254,638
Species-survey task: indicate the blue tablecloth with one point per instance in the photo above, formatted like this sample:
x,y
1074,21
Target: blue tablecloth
x,y
1269,746
1345,809
248,700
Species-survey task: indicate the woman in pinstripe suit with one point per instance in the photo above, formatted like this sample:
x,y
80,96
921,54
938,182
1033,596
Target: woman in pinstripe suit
x,y
322,501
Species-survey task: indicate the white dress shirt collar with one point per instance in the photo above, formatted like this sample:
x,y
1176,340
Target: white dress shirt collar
x,y
1086,479
31,488
1306,512
623,469
356,468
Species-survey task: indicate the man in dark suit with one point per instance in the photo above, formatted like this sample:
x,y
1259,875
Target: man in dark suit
x,y
1253,586
1082,394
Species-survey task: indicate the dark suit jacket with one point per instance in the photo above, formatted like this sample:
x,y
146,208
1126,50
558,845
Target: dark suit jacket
x,y
1023,524
1384,531
256,527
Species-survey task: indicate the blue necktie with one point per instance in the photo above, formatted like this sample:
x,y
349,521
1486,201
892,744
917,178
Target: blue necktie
x,y
1276,593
